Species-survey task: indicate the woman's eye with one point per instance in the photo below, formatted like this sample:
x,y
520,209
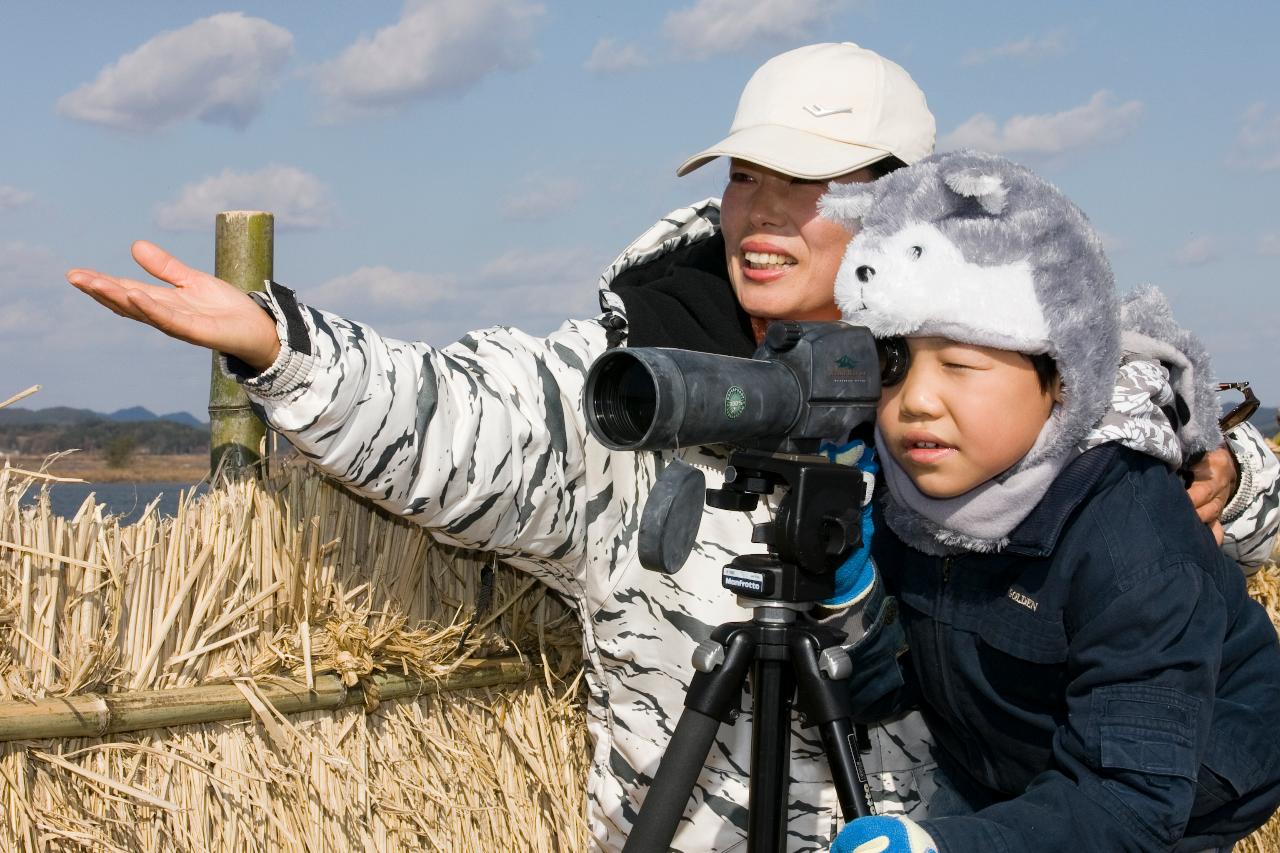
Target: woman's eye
x,y
739,178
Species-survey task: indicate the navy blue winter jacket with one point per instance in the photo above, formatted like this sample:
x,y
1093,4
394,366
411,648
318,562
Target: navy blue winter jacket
x,y
1104,682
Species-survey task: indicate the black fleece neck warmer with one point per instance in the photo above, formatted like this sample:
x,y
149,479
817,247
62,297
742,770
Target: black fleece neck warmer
x,y
683,299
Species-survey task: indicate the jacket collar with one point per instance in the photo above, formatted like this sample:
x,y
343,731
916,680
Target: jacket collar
x,y
1038,533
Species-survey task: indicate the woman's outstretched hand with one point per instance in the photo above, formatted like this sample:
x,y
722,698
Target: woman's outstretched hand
x,y
198,308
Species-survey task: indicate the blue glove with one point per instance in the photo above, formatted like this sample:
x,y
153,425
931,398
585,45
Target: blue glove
x,y
887,833
856,577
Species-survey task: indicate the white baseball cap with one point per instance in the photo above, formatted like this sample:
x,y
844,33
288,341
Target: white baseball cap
x,y
825,110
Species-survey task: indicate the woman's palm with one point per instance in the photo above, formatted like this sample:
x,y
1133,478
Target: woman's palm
x,y
197,308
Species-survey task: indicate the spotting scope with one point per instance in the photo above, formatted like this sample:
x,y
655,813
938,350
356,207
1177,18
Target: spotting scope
x,y
807,382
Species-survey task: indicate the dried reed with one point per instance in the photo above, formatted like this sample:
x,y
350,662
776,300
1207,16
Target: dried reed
x,y
249,586
291,582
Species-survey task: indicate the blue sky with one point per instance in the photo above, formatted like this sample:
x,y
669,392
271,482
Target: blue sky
x,y
441,165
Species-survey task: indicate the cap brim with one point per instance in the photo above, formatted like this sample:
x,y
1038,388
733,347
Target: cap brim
x,y
790,151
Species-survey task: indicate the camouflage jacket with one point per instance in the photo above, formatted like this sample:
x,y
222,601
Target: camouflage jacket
x,y
484,442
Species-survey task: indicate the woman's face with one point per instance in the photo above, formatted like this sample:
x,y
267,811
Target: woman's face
x,y
782,256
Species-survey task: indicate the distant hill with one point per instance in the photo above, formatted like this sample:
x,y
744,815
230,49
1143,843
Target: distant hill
x,y
58,416
43,431
63,415
139,413
1265,420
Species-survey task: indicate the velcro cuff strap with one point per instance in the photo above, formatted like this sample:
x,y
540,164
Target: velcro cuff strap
x,y
1246,489
293,366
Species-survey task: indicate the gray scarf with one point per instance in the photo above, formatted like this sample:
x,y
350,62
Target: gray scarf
x,y
982,518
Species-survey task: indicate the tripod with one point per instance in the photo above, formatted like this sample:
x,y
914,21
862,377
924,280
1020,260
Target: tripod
x,y
791,658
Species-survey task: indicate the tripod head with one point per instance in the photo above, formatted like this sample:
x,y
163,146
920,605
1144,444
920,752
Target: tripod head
x,y
816,527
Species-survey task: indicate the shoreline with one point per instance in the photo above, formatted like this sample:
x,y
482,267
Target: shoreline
x,y
92,467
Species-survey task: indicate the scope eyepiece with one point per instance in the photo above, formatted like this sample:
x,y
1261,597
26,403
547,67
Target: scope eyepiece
x,y
895,359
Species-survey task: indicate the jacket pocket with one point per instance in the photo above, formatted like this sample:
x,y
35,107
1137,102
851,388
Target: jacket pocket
x,y
1018,631
1022,656
1147,729
1146,748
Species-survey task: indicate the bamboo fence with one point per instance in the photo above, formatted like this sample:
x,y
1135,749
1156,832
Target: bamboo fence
x,y
277,668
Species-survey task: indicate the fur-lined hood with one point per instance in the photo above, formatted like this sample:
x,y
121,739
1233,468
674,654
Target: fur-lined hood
x,y
978,249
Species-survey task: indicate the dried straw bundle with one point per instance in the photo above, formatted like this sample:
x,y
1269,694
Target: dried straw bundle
x,y
1265,587
292,579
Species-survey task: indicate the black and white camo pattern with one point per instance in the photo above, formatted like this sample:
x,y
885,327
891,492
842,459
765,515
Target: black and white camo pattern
x,y
1136,416
483,442
1136,419
1252,517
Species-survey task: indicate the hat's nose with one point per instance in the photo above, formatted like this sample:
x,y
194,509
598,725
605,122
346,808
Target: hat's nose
x,y
865,273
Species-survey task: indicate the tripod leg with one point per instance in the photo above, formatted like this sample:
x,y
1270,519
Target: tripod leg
x,y
838,739
673,783
772,692
712,698
825,702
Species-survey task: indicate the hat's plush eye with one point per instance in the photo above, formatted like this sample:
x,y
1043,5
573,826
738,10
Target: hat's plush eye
x,y
916,252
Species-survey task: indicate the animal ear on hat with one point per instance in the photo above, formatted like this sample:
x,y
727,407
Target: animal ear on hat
x,y
847,203
987,189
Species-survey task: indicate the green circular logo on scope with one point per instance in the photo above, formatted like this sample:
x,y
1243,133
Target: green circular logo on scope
x,y
735,402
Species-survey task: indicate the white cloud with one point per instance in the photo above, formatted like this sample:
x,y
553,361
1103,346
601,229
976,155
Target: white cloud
x,y
11,197
711,27
1196,252
380,292
1030,48
548,285
532,290
540,197
438,47
1257,144
1269,244
1100,120
218,70
23,264
610,57
520,268
1112,244
298,199
36,297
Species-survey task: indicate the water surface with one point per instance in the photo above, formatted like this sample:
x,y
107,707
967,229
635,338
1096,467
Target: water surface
x,y
126,499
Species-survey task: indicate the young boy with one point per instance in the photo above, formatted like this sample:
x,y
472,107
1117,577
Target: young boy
x,y
1092,669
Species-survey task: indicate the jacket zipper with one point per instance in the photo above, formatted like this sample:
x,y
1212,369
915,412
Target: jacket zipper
x,y
940,639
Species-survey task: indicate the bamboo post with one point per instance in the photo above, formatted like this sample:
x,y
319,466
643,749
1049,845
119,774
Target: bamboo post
x,y
244,243
101,714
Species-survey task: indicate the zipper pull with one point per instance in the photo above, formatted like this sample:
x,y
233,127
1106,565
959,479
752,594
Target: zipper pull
x,y
946,569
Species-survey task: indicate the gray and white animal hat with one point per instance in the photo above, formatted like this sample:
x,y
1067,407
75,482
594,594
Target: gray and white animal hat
x,y
978,249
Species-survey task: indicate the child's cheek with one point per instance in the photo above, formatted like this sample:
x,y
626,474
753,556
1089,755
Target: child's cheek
x,y
885,403
886,420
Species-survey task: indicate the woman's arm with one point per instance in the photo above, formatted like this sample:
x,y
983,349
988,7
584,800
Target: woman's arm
x,y
482,441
